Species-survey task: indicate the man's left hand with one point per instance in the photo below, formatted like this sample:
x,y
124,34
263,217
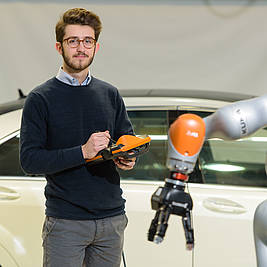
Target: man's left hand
x,y
125,164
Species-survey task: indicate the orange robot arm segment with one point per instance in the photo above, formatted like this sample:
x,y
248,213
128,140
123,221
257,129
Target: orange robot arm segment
x,y
187,134
186,137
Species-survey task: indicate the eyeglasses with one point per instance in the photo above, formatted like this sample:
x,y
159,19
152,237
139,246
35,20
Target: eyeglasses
x,y
74,42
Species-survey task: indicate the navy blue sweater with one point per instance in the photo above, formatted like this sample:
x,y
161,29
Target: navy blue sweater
x,y
59,118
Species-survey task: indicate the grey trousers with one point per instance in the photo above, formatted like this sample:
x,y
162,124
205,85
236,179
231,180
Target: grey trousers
x,y
84,243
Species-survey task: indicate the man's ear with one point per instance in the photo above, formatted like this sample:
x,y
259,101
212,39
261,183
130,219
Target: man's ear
x,y
59,47
96,47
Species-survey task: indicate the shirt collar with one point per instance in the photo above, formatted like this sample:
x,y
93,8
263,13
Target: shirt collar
x,y
68,79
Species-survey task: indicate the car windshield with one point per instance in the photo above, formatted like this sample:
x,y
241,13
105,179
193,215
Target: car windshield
x,y
239,162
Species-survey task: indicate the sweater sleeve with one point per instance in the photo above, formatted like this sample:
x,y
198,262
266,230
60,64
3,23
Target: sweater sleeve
x,y
35,158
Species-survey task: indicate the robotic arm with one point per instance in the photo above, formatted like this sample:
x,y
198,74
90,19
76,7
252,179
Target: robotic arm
x,y
186,137
237,120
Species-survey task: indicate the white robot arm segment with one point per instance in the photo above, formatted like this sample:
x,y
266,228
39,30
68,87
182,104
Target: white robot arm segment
x,y
237,120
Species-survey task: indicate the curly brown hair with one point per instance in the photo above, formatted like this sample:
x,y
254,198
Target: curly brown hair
x,y
78,16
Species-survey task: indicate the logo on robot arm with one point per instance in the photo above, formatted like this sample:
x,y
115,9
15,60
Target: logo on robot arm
x,y
193,134
243,122
244,128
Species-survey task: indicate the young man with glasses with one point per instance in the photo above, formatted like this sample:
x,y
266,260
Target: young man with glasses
x,y
66,120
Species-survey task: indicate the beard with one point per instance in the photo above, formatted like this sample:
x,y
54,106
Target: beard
x,y
80,65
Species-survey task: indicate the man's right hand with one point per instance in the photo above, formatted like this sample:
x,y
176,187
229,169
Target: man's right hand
x,y
95,143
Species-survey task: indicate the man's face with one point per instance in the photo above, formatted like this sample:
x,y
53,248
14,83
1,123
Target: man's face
x,y
79,58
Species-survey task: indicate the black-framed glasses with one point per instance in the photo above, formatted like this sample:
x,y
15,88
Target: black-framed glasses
x,y
74,42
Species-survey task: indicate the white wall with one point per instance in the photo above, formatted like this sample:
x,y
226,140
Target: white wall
x,y
208,45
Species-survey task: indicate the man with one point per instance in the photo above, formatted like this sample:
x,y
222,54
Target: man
x,y
66,120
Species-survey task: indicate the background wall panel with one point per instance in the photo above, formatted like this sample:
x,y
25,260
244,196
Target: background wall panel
x,y
205,45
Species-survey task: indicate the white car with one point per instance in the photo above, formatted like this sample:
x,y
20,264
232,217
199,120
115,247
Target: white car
x,y
227,185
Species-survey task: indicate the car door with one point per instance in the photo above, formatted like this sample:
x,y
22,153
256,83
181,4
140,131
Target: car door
x,y
21,209
224,199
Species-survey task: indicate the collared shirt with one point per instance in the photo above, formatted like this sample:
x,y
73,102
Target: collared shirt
x,y
68,79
